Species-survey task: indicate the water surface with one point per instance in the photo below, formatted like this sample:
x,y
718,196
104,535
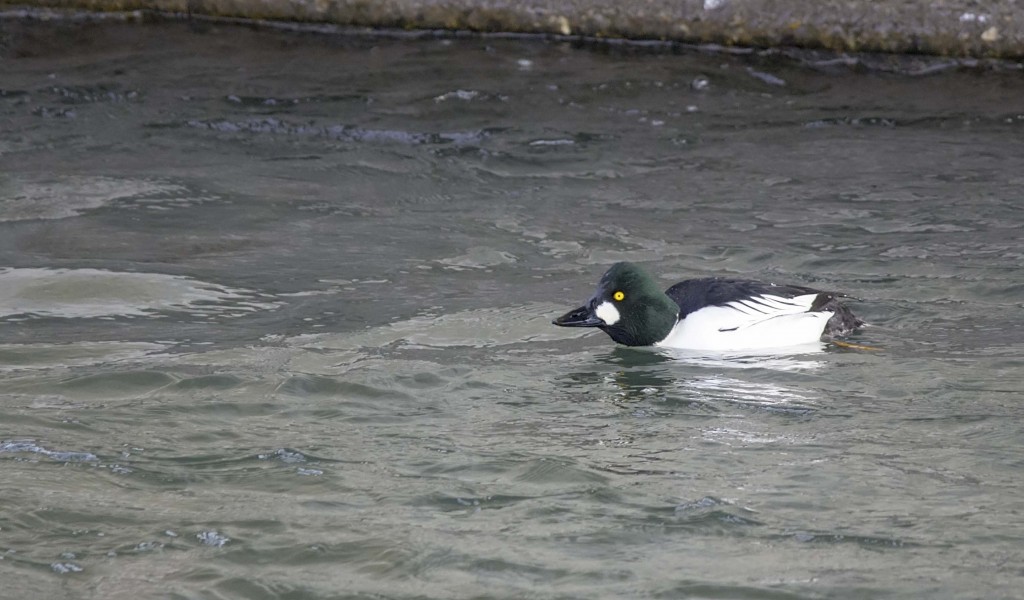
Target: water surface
x,y
275,321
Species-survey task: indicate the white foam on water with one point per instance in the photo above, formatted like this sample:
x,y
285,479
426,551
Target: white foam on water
x,y
30,447
89,293
479,257
22,198
478,328
15,357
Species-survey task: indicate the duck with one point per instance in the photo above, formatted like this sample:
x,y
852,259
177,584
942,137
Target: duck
x,y
711,313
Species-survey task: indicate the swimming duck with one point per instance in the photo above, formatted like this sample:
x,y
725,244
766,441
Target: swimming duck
x,y
709,313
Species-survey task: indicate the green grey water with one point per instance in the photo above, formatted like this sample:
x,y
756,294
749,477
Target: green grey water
x,y
275,321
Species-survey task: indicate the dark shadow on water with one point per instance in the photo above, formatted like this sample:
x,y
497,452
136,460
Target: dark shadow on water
x,y
626,357
631,374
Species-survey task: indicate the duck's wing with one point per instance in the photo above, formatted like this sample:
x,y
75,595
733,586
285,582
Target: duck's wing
x,y
734,305
750,298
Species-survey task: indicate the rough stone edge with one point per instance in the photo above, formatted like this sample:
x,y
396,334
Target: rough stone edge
x,y
906,27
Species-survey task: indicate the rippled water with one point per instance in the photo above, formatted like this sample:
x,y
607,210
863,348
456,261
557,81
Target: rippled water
x,y
275,321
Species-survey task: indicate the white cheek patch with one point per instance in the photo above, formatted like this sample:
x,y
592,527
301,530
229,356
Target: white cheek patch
x,y
607,312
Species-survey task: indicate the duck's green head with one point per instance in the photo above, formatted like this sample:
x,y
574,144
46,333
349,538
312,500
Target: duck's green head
x,y
628,305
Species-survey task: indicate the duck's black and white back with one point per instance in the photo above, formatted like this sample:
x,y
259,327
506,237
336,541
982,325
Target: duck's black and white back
x,y
709,314
737,314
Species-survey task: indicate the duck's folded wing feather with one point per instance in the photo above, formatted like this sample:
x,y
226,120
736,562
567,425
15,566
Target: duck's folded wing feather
x,y
769,306
744,295
749,312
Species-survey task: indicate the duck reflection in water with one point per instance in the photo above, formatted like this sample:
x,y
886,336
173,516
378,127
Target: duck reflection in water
x,y
684,378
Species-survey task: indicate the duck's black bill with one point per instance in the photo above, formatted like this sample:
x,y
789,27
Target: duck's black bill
x,y
578,317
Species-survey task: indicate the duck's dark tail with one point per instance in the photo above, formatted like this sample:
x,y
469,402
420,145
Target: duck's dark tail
x,y
843,321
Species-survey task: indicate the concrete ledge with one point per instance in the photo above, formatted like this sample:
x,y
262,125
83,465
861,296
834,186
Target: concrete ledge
x,y
961,28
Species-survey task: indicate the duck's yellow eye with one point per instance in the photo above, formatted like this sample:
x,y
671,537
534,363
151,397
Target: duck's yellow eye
x,y
619,296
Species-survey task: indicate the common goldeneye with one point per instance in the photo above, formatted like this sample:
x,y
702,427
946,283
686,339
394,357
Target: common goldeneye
x,y
710,313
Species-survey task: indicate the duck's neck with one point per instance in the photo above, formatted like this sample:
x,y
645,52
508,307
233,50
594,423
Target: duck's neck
x,y
662,315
